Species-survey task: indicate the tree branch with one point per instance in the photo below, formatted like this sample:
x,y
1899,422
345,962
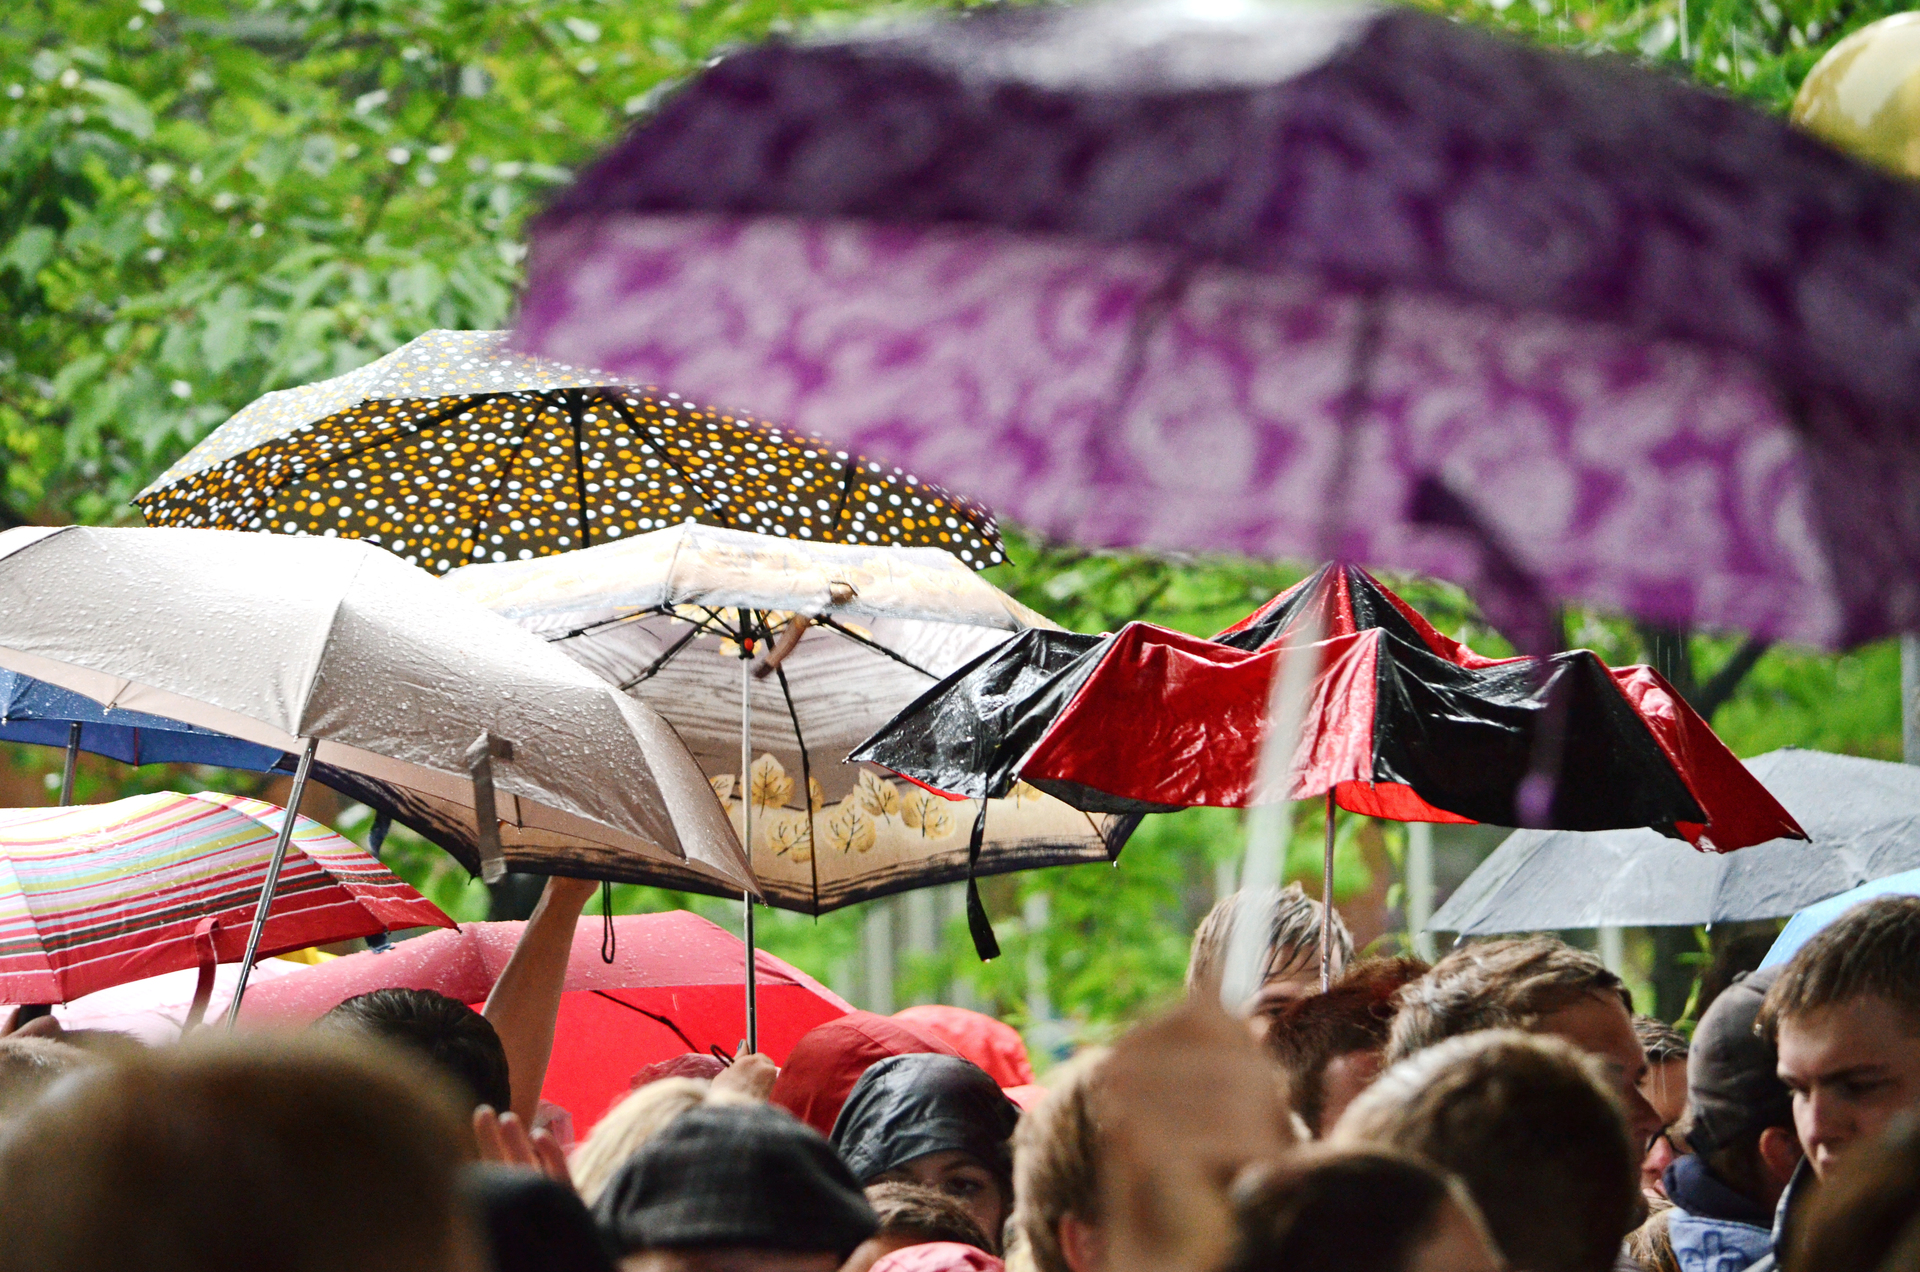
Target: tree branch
x,y
1720,686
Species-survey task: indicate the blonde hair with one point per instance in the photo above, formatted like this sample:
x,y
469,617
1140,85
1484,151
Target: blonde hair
x,y
1056,1164
1293,922
639,1116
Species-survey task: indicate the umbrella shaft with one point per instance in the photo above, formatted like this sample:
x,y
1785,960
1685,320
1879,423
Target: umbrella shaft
x,y
752,1042
280,847
73,764
1326,903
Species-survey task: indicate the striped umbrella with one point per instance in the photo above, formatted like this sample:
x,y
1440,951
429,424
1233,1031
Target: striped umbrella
x,y
100,894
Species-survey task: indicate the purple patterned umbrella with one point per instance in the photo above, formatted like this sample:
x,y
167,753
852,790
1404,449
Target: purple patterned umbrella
x,y
1293,281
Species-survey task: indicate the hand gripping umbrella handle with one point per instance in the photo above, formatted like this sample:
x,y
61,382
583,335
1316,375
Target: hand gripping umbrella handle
x,y
486,821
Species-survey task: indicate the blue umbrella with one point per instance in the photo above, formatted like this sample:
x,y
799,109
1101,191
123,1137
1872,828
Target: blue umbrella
x,y
1803,926
34,711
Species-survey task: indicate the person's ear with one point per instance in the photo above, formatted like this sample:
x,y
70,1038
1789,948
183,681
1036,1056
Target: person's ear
x,y
1779,1155
1082,1245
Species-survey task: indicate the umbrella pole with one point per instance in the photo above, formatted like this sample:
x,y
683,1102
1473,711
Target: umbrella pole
x,y
280,847
746,829
73,764
1326,903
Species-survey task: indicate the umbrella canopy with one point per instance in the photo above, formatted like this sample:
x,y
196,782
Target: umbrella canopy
x,y
34,711
1807,924
452,449
155,1009
1862,816
1292,280
673,987
279,641
101,894
667,616
1402,723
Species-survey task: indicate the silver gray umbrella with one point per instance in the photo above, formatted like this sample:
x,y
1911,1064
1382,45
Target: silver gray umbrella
x,y
1863,815
339,652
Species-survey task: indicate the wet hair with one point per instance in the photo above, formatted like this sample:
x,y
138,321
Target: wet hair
x,y
1339,1210
1529,1125
1293,936
1872,950
302,1154
445,1030
1660,1040
1306,1035
926,1214
1056,1161
1510,984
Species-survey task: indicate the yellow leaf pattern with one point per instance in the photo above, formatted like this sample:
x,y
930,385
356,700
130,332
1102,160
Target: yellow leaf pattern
x,y
722,786
850,827
877,795
771,786
1023,794
927,813
816,795
790,836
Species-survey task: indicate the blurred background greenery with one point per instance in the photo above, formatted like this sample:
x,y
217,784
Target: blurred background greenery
x,y
203,200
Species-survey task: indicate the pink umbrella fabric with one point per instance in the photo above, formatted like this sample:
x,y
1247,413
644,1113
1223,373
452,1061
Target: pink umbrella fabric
x,y
1292,281
673,987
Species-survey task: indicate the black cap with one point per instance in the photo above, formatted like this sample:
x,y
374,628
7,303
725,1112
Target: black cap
x,y
532,1223
736,1175
1732,1087
906,1107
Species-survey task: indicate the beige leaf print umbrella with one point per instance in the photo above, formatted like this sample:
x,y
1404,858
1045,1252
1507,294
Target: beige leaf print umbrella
x,y
846,636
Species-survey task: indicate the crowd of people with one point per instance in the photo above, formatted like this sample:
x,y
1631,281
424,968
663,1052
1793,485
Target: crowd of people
x,y
1500,1109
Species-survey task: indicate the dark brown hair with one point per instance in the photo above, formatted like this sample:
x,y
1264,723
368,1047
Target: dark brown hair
x,y
1528,1124
927,1214
1872,950
1338,1210
1497,985
1305,1035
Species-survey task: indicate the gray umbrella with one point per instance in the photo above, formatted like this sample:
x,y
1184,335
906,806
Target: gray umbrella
x,y
1864,816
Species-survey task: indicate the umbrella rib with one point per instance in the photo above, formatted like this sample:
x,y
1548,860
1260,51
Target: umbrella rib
x,y
878,648
493,491
656,1017
653,669
348,455
667,459
576,411
806,784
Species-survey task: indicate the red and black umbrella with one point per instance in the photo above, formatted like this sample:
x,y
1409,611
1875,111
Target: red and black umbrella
x,y
1402,723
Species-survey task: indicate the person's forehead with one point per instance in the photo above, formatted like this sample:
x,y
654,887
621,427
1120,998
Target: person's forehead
x,y
1866,1030
1598,1024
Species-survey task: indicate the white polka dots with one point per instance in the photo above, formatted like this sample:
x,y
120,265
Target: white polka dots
x,y
521,457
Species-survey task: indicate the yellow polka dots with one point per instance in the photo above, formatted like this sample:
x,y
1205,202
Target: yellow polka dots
x,y
452,450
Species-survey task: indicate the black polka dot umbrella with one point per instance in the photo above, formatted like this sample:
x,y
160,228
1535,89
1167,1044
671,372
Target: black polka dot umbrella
x,y
454,449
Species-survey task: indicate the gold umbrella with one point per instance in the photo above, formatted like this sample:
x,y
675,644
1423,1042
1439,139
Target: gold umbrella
x,y
453,450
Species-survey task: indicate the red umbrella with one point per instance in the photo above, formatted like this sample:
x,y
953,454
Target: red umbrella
x,y
673,987
1402,722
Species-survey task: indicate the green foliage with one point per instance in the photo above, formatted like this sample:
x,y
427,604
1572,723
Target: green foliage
x,y
203,200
